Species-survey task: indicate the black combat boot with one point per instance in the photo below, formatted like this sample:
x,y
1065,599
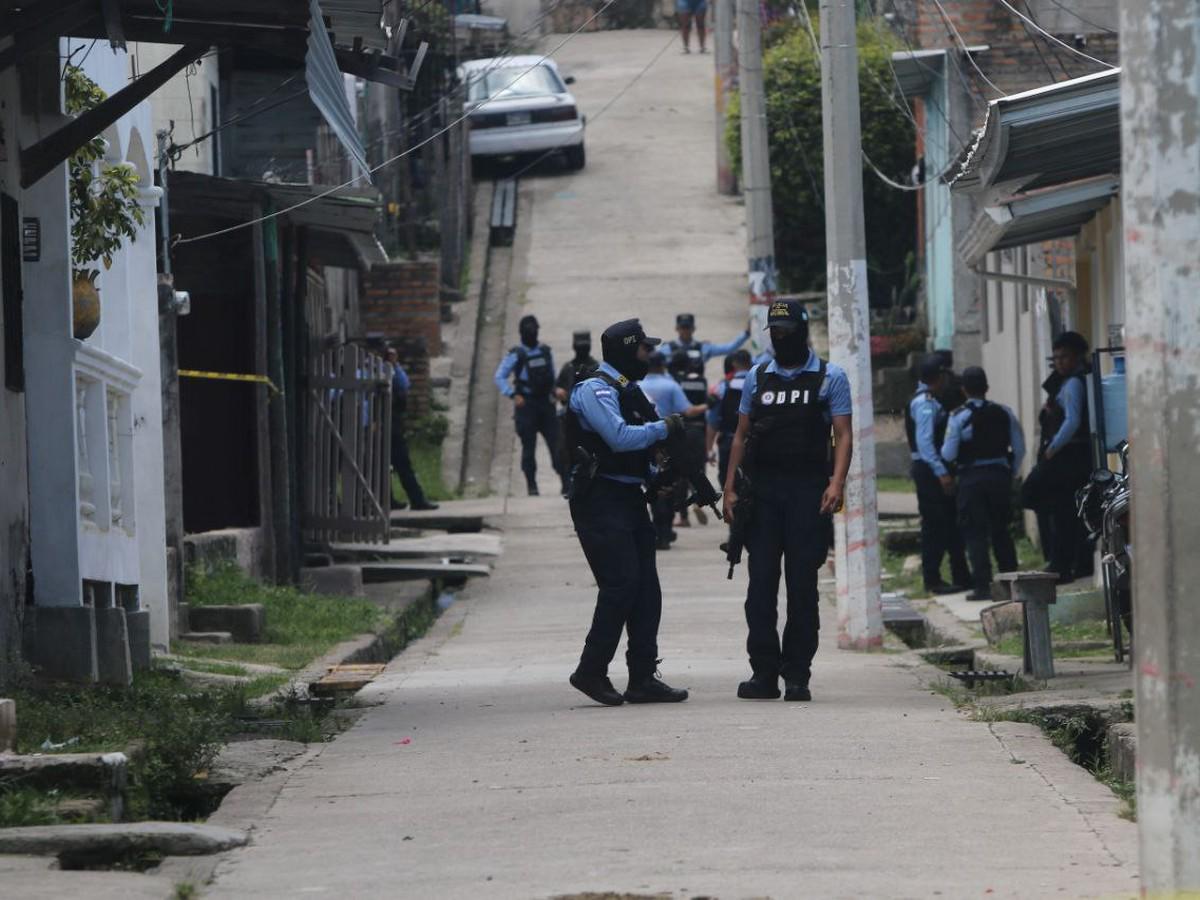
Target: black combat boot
x,y
653,689
795,690
598,687
759,687
531,486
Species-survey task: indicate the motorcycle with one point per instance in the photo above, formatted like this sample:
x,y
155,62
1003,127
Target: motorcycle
x,y
1103,507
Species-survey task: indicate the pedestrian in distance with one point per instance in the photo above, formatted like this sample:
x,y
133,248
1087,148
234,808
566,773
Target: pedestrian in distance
x,y
572,372
925,425
1064,460
986,442
692,12
530,365
668,398
790,408
401,459
612,430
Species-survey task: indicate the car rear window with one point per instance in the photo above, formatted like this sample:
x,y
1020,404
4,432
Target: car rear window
x,y
514,81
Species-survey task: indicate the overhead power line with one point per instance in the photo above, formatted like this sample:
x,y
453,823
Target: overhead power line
x,y
1024,18
1095,25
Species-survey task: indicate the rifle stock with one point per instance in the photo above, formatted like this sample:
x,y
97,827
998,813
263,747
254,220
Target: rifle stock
x,y
741,519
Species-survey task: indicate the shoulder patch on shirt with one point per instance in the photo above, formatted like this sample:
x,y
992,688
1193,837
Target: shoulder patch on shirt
x,y
602,392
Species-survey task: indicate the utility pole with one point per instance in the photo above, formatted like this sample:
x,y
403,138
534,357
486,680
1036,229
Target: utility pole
x,y
756,171
725,59
856,529
1160,115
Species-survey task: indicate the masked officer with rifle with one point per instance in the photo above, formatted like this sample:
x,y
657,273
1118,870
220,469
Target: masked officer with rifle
x,y
613,430
531,367
780,490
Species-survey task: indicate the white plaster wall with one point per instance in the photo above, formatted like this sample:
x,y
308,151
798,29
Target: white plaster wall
x,y
186,100
129,331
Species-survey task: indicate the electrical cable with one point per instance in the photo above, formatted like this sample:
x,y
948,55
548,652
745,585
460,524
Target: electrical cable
x,y
1095,25
387,162
1020,15
963,44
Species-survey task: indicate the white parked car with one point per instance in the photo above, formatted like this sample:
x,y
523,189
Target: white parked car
x,y
520,104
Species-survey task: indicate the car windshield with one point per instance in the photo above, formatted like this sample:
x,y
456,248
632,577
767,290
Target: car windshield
x,y
514,81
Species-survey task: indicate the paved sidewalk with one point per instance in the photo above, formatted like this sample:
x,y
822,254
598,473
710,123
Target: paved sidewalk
x,y
483,774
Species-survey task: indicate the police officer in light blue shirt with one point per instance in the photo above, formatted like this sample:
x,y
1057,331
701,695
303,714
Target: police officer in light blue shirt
x,y
986,441
530,365
699,352
612,430
925,427
790,409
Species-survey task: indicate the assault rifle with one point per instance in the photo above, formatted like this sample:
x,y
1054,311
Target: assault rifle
x,y
686,465
741,519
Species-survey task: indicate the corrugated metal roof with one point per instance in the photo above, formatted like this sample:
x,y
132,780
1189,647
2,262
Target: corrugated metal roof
x,y
1029,218
1048,136
327,88
916,69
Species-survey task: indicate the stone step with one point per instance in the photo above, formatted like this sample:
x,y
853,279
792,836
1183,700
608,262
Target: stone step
x,y
454,523
452,572
246,621
435,545
207,637
82,844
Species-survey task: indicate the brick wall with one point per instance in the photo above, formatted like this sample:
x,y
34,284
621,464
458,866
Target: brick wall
x,y
401,305
1018,58
402,300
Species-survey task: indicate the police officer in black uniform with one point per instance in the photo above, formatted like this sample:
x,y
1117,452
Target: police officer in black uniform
x,y
722,417
790,408
925,423
612,430
531,367
986,441
686,366
572,372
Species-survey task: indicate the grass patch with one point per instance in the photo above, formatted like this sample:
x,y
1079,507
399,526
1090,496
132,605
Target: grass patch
x,y
894,484
427,463
299,627
216,667
1060,633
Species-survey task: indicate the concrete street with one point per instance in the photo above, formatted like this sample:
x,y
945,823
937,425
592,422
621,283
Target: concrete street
x,y
481,773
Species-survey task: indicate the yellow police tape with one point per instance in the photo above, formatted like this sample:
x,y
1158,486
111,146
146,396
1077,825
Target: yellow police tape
x,y
231,376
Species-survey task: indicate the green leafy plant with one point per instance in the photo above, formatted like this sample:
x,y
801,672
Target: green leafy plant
x,y
792,83
105,211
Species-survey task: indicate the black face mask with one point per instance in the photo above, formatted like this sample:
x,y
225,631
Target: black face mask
x,y
529,337
791,349
582,352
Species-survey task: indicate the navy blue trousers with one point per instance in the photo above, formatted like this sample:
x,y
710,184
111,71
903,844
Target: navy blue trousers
x,y
614,529
940,535
786,535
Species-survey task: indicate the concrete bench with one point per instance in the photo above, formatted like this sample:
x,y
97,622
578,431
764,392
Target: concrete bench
x,y
1035,591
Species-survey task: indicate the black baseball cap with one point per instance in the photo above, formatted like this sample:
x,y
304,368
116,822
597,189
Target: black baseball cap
x,y
685,320
787,314
627,333
974,380
933,365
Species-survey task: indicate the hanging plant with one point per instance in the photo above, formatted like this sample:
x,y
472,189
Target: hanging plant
x,y
104,199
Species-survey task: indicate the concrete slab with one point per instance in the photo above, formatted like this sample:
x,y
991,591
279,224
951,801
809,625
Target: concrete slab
x,y
439,545
245,621
8,725
895,504
108,841
337,580
137,623
113,664
431,569
39,878
207,637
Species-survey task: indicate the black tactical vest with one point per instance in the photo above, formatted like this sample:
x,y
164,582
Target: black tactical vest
x,y
636,409
691,378
535,363
1053,415
788,430
727,412
910,424
989,433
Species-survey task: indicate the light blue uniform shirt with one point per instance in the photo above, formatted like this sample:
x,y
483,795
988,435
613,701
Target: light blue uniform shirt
x,y
835,389
665,393
598,406
707,349
1071,398
956,434
400,382
926,411
505,369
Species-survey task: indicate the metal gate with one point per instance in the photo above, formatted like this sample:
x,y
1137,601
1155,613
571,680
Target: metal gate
x,y
348,487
